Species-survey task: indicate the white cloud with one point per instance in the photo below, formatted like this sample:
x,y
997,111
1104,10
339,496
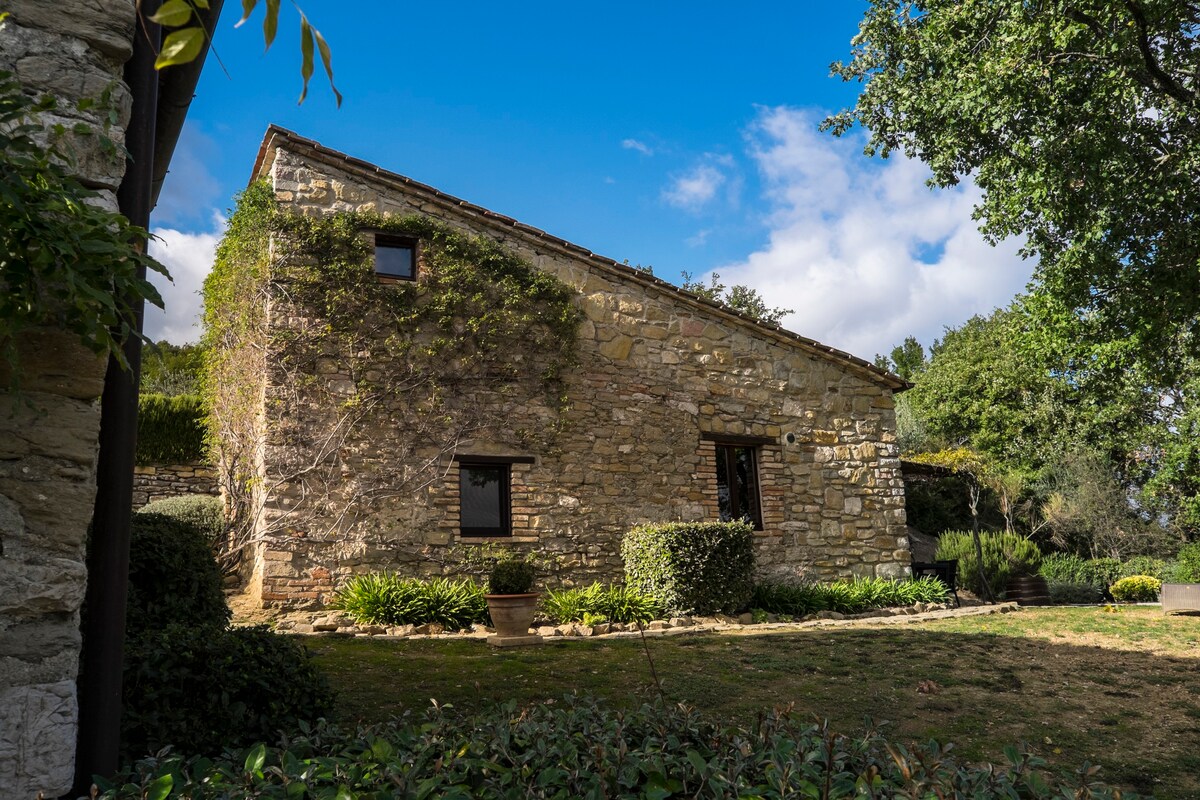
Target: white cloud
x,y
641,147
189,258
864,252
696,188
190,188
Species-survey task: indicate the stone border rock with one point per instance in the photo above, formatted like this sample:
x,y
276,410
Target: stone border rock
x,y
337,625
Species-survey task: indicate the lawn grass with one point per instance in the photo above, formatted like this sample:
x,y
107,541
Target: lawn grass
x,y
1076,684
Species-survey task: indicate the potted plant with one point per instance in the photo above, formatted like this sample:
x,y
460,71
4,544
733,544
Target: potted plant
x,y
512,603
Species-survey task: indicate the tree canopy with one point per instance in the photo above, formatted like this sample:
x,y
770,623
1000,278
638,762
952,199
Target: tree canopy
x,y
1078,119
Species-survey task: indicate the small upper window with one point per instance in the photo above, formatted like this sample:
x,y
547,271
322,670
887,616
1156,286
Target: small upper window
x,y
395,257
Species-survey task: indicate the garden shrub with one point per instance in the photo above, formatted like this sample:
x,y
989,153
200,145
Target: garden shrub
x,y
1188,570
170,429
201,511
1136,589
1065,568
203,690
846,597
1103,572
173,576
1004,555
390,599
1072,593
1148,565
578,748
692,567
603,603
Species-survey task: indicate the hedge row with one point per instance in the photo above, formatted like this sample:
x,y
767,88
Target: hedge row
x,y
170,429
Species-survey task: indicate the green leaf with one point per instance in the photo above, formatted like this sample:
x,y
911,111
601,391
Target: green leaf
x,y
327,61
306,55
270,23
247,10
173,13
180,47
256,758
161,788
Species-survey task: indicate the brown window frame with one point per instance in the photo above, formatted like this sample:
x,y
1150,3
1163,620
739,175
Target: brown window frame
x,y
726,455
380,238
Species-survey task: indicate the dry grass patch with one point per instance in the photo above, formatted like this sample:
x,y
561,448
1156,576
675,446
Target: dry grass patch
x,y
1075,684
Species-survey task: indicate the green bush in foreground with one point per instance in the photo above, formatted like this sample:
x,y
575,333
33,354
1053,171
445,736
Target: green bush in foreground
x,y
1004,556
846,597
173,577
1136,589
581,749
389,599
604,603
202,691
692,567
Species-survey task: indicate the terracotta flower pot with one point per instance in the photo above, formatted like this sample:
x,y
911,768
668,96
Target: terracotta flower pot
x,y
512,614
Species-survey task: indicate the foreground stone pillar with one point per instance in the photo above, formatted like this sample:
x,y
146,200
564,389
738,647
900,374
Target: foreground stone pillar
x,y
48,436
48,439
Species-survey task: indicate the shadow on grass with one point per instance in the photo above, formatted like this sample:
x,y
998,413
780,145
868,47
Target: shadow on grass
x,y
1135,713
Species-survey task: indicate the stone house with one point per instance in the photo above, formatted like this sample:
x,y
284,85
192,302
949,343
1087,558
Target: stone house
x,y
670,407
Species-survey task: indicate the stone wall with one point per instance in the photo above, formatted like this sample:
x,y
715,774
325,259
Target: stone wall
x,y
661,375
48,436
156,481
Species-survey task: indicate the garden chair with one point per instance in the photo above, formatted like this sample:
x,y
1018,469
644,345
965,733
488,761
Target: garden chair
x,y
944,571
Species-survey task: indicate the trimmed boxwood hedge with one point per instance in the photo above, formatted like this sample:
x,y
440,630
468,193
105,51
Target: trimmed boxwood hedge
x,y
692,567
170,429
202,511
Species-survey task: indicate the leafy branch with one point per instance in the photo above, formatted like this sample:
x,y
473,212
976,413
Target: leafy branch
x,y
184,43
65,260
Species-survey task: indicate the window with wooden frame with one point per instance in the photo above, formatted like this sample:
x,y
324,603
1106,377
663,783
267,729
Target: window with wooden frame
x,y
395,257
485,494
737,481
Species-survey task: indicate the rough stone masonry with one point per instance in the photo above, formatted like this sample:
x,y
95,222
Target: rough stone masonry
x,y
664,380
48,437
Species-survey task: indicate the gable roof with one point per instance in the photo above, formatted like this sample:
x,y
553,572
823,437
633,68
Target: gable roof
x,y
277,137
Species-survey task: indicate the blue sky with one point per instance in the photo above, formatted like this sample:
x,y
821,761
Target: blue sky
x,y
679,136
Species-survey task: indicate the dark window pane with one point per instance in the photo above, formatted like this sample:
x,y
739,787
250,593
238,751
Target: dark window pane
x,y
747,485
483,501
724,490
395,258
737,485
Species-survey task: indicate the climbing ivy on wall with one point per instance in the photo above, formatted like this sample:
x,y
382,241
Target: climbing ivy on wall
x,y
395,375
